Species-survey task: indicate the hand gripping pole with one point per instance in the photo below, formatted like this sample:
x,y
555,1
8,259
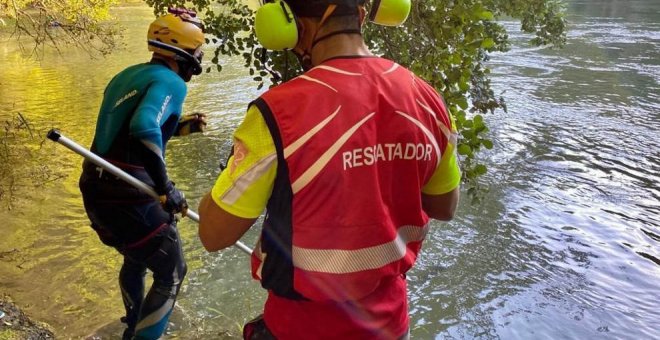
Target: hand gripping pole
x,y
56,136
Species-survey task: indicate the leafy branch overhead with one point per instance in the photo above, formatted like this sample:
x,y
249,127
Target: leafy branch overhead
x,y
59,23
447,43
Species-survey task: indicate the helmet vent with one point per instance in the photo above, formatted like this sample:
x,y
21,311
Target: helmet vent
x,y
174,41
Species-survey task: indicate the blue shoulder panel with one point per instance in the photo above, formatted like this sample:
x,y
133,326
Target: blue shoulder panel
x,y
145,96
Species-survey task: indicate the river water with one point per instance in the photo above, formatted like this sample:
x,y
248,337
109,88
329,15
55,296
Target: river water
x,y
564,246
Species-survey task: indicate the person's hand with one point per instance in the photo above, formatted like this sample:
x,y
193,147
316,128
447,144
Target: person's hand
x,y
191,123
174,201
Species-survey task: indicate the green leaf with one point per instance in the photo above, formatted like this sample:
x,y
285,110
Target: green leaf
x,y
464,150
478,121
487,143
462,103
485,15
487,43
480,169
464,85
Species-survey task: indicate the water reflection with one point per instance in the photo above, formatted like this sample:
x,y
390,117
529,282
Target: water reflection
x,y
583,183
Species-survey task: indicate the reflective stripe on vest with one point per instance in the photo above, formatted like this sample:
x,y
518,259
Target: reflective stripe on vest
x,y
339,261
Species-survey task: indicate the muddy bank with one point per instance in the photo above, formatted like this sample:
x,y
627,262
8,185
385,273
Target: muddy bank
x,y
16,325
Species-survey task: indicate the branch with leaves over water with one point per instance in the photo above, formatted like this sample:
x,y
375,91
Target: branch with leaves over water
x,y
447,43
22,165
60,23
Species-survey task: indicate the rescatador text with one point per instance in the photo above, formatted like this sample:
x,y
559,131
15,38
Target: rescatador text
x,y
386,152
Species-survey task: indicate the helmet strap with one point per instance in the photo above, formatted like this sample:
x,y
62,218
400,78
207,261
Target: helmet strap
x,y
357,31
374,10
305,53
186,69
332,34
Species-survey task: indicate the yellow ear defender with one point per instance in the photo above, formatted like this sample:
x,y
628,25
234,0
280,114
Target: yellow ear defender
x,y
276,28
389,12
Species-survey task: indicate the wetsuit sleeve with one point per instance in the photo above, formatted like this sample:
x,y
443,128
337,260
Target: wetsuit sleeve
x,y
155,167
243,189
154,122
447,175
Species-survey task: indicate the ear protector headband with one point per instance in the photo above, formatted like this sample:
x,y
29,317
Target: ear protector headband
x,y
276,28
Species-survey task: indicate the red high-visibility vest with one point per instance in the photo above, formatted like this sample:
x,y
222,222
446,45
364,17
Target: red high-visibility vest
x,y
357,139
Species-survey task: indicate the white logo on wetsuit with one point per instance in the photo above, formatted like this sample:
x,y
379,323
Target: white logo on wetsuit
x,y
125,98
162,109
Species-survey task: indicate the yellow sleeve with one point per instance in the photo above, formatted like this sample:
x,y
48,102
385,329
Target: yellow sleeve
x,y
244,187
447,175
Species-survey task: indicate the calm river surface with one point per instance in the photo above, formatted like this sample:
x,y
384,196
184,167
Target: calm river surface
x,y
565,246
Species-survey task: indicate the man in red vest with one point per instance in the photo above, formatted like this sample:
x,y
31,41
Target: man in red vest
x,y
350,160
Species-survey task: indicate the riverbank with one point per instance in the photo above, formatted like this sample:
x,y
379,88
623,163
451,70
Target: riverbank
x,y
16,325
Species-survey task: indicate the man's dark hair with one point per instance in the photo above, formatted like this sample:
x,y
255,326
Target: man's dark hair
x,y
316,8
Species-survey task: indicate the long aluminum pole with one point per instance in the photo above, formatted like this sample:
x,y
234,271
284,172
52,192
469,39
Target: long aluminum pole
x,y
56,136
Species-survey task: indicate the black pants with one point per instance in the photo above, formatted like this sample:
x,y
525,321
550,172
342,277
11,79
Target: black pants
x,y
256,329
148,316
146,236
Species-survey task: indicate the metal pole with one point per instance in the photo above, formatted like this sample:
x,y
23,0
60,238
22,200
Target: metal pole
x,y
56,136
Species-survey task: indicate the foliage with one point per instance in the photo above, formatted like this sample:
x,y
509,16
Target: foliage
x,y
20,163
446,42
80,23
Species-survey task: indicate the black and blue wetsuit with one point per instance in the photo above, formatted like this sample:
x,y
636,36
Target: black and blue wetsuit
x,y
139,114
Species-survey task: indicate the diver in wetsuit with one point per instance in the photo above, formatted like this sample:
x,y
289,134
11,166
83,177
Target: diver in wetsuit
x,y
140,112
